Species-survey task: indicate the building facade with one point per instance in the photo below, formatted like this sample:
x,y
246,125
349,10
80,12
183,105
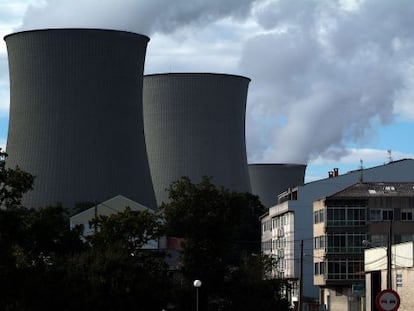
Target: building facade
x,y
343,224
402,274
298,203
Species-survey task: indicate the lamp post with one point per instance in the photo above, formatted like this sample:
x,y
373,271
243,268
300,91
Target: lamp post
x,y
197,284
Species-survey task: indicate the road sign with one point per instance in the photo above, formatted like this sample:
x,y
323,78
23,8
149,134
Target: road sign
x,y
358,289
387,300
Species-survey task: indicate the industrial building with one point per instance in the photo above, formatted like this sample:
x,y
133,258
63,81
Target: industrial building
x,y
269,180
195,126
289,222
76,115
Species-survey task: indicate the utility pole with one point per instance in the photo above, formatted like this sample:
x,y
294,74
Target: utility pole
x,y
95,216
389,256
300,303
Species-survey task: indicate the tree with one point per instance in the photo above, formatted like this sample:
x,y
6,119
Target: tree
x,y
118,271
38,250
14,182
221,229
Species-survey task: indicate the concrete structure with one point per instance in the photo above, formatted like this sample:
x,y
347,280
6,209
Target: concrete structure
x,y
195,126
402,273
343,222
76,115
297,203
269,180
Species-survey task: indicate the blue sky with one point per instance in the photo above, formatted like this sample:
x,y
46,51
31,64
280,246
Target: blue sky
x,y
332,80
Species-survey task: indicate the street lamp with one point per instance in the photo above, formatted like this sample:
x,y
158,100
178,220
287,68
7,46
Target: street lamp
x,y
197,284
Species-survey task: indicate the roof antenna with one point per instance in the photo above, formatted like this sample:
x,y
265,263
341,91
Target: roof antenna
x,y
389,151
361,171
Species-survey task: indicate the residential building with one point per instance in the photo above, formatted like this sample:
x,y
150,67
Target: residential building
x,y
297,205
343,223
402,274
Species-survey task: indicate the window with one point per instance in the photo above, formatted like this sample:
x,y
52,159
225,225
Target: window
x,y
319,242
346,243
336,243
379,214
346,216
356,216
319,268
346,269
354,243
387,214
281,265
375,215
378,240
407,214
316,269
318,216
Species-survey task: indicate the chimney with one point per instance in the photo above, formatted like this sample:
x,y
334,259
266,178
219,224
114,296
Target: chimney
x,y
330,174
336,172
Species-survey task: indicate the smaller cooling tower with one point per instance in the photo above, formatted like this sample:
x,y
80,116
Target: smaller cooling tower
x,y
76,115
194,126
269,180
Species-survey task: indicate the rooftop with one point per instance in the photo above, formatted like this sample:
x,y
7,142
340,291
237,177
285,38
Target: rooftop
x,y
377,189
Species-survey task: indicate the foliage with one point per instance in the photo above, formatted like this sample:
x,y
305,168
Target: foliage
x,y
14,182
46,265
222,233
37,245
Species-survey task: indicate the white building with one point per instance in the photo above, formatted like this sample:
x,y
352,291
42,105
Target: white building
x,y
296,205
402,274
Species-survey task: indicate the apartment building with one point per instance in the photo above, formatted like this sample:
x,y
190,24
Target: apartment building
x,y
348,221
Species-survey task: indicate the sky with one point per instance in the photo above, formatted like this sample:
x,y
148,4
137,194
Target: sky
x,y
332,81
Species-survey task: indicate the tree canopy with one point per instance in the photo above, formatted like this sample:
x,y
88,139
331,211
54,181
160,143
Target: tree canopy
x,y
221,230
47,265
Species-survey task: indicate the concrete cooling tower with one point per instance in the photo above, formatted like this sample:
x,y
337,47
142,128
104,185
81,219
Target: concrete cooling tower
x,y
269,180
195,126
76,115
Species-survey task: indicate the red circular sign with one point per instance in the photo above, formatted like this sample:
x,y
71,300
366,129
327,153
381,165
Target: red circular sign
x,y
387,300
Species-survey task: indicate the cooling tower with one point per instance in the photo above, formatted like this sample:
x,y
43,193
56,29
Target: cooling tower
x,y
269,180
195,126
76,115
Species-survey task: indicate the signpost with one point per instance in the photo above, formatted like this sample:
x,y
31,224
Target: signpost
x,y
387,300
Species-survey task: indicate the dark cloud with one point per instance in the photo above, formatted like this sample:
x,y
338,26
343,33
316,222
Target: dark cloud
x,y
137,16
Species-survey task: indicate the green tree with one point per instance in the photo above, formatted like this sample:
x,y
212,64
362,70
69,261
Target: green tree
x,y
220,229
118,271
14,182
39,249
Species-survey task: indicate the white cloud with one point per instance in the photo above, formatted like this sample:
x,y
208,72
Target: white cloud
x,y
367,155
331,69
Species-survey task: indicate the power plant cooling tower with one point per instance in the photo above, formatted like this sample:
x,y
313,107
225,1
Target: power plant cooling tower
x,y
195,126
76,115
270,180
